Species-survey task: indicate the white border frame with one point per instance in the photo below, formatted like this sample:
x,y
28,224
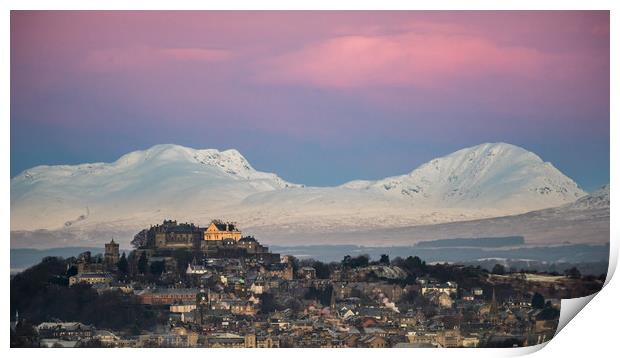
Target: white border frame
x,y
592,332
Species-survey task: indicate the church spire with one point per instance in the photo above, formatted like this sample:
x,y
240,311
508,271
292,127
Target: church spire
x,y
493,308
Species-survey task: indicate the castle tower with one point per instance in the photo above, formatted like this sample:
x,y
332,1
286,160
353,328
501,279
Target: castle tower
x,y
111,255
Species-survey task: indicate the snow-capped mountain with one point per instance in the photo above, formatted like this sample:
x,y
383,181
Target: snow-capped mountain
x,y
163,181
170,181
492,175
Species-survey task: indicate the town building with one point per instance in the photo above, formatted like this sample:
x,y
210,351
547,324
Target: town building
x,y
167,296
91,278
65,330
308,273
449,288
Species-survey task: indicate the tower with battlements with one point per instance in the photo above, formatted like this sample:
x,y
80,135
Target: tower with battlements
x,y
111,255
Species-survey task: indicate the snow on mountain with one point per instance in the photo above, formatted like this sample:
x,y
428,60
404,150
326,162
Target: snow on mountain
x,y
163,181
488,180
170,181
495,175
586,221
597,200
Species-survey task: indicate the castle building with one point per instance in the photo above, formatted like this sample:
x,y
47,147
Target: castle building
x,y
86,263
219,239
111,255
252,246
171,235
219,230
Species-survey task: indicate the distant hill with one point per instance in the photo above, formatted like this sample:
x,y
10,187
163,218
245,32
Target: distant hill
x,y
474,242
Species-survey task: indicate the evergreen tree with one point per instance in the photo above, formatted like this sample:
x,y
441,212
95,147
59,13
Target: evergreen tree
x,y
143,263
122,264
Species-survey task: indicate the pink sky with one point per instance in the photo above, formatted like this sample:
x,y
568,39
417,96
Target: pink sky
x,y
469,76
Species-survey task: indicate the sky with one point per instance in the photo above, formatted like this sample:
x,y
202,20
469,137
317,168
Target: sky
x,y
319,98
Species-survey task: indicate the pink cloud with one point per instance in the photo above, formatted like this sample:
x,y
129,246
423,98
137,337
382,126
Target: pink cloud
x,y
409,59
131,58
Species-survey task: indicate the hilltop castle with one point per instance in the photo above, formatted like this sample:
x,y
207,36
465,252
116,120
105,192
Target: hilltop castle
x,y
173,235
219,239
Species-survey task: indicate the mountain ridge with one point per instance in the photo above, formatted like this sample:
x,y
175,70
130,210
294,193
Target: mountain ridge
x,y
144,187
230,160
457,175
